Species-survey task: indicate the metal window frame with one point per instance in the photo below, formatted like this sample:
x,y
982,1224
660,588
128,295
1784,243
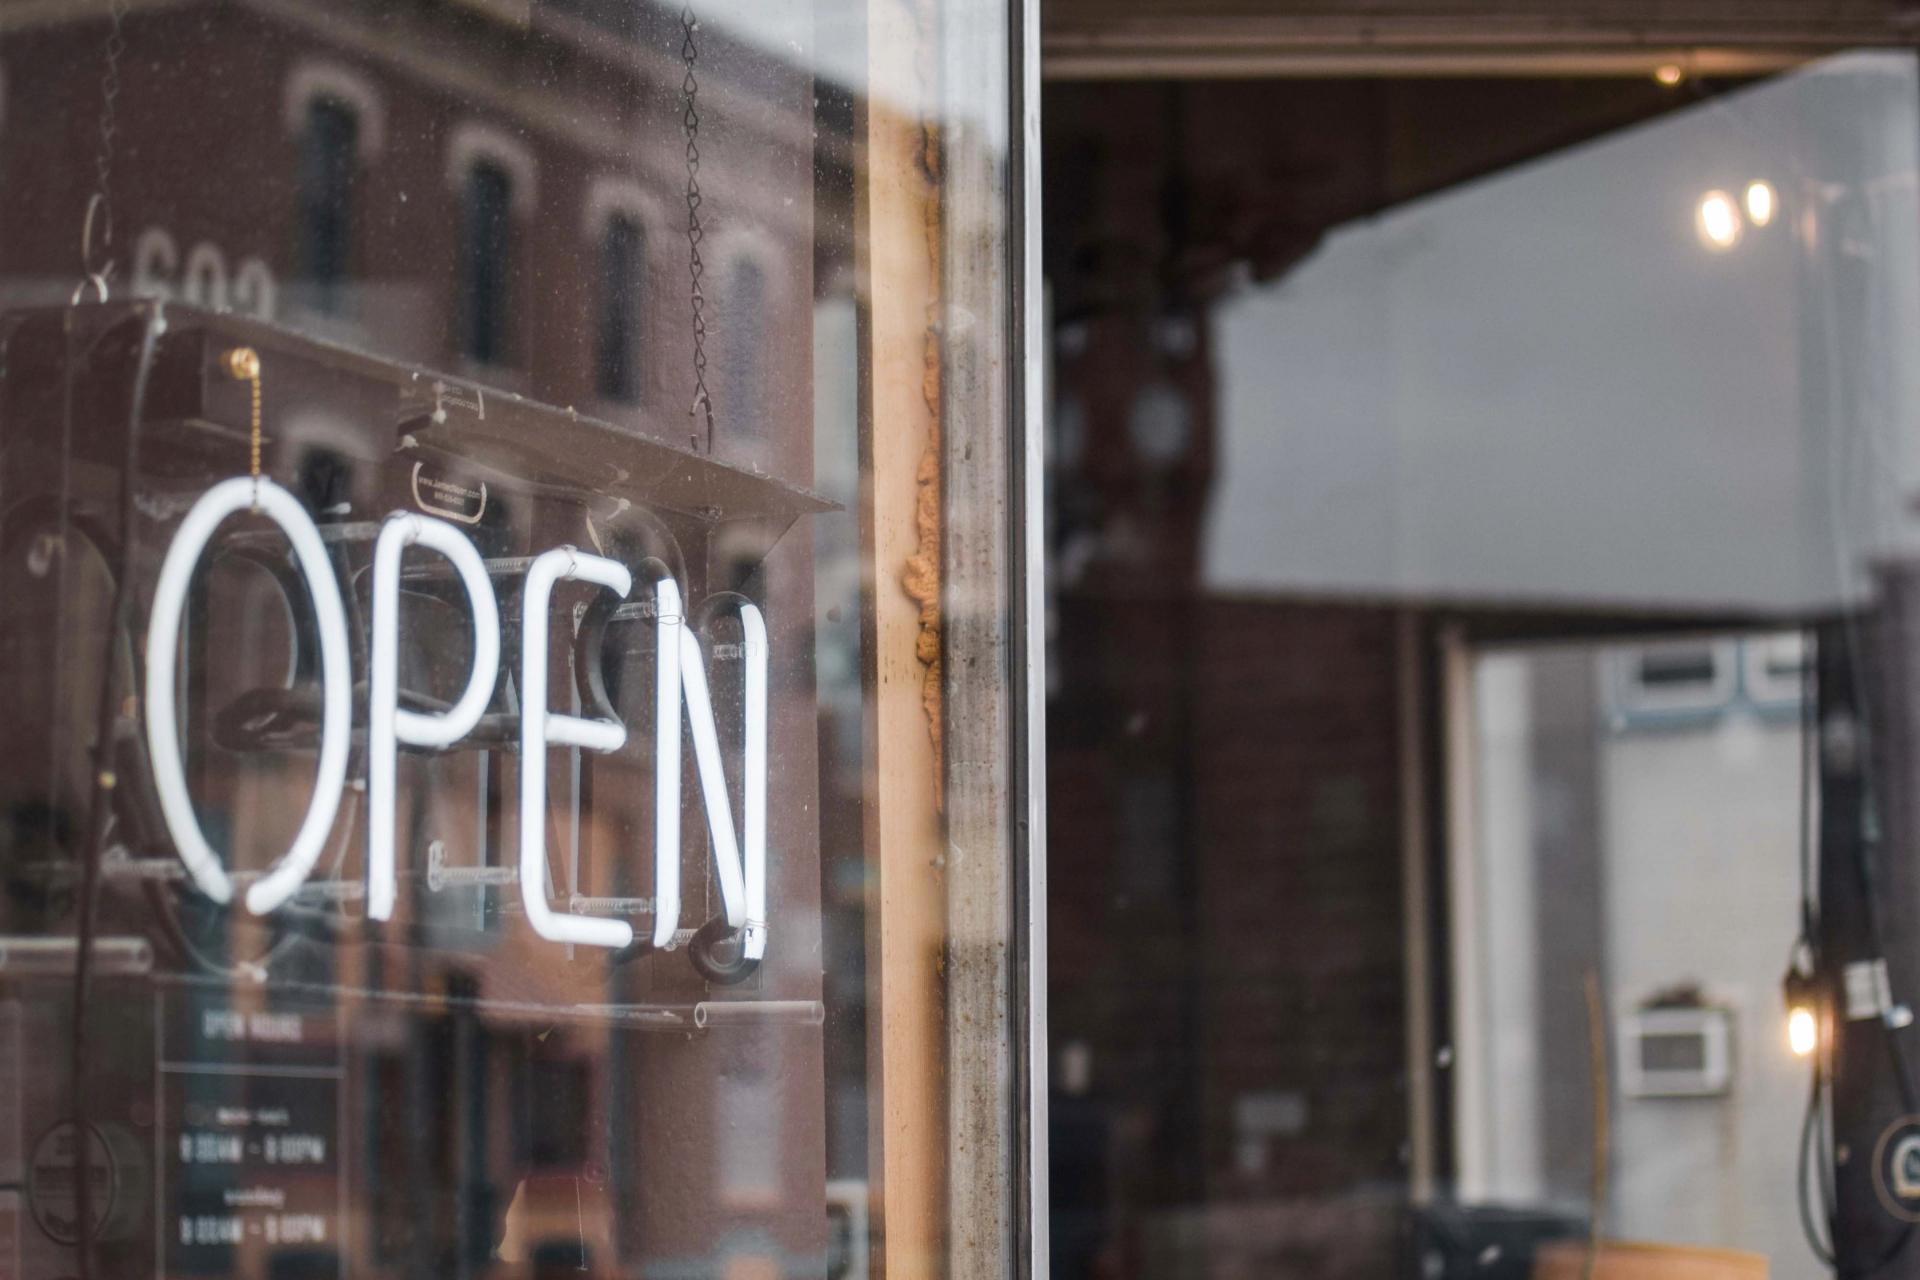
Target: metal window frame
x,y
991,337
1033,1221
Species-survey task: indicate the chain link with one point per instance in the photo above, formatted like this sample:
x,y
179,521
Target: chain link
x,y
696,268
96,229
243,365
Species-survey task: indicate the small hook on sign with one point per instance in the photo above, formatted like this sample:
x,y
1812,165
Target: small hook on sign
x,y
96,246
96,280
702,407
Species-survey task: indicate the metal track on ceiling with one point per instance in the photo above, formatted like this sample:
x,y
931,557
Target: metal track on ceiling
x,y
1085,39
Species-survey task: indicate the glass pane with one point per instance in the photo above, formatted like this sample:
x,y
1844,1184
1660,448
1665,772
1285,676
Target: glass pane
x,y
472,765
1483,735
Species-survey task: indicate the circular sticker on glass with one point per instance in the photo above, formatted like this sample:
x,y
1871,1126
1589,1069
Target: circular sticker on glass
x,y
1896,1168
52,1190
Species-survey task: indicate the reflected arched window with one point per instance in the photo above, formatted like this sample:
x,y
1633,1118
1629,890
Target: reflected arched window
x,y
485,262
623,282
329,151
746,302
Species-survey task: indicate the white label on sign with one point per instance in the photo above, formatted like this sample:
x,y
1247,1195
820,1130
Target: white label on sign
x,y
449,498
1868,993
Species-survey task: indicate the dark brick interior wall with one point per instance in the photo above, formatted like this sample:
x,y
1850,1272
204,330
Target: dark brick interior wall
x,y
1298,826
1227,932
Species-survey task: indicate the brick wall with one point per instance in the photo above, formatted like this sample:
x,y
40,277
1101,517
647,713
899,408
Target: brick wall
x,y
1226,925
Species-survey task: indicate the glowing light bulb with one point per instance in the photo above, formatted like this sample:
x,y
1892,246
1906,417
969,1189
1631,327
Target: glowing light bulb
x,y
1760,202
1718,220
1803,1032
1669,74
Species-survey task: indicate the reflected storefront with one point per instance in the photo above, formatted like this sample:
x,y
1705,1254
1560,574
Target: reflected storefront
x,y
514,676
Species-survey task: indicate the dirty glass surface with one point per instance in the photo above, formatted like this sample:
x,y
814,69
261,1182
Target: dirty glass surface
x,y
437,658
1482,724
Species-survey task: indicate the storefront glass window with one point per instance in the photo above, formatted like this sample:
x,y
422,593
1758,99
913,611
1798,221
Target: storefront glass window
x,y
511,640
1482,744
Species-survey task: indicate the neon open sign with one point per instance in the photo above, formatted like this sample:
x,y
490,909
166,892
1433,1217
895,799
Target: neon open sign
x,y
680,680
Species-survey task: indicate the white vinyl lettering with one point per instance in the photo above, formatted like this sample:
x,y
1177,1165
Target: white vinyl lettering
x,y
205,279
249,286
155,259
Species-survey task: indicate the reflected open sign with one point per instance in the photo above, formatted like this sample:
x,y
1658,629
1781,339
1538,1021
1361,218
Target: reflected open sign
x,y
680,682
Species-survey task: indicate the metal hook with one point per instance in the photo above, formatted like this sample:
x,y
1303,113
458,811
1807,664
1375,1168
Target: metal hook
x,y
98,279
96,266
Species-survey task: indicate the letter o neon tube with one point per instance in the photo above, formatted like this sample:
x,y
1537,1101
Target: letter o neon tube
x,y
336,684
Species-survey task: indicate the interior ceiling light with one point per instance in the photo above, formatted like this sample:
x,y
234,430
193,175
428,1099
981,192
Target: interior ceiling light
x,y
1803,1032
1718,220
1761,202
1802,994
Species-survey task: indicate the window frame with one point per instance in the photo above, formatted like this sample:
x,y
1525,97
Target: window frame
x,y
472,147
315,171
627,295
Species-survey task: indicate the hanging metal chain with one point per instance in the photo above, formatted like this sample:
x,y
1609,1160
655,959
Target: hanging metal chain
x,y
243,365
696,268
96,228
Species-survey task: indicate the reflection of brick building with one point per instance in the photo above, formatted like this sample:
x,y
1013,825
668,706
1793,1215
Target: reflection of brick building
x,y
501,199
504,201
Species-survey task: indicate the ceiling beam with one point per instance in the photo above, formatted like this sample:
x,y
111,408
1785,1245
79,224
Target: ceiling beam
x,y
1088,39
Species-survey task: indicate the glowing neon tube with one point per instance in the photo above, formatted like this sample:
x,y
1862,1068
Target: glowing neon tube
x,y
387,724
336,687
743,882
757,655
668,624
538,727
713,779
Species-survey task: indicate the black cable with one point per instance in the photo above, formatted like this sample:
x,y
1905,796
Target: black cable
x,y
1809,1137
104,781
1809,784
1824,1137
1805,958
1864,850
